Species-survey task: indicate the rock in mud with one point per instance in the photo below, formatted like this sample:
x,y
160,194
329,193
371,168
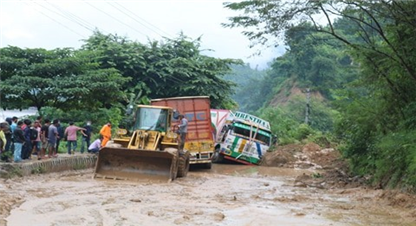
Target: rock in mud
x,y
300,185
219,216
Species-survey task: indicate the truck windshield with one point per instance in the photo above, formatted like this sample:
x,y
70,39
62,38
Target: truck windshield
x,y
244,130
151,119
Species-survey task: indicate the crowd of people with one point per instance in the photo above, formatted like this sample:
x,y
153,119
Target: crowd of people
x,y
24,140
41,139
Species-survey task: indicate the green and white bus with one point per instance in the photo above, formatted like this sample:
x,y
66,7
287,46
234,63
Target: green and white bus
x,y
240,137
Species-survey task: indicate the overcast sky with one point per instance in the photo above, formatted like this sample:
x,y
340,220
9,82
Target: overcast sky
x,y
64,23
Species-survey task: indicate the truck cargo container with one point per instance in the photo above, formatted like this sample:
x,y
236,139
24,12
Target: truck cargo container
x,y
200,138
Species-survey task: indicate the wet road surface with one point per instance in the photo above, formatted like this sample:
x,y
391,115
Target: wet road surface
x,y
224,195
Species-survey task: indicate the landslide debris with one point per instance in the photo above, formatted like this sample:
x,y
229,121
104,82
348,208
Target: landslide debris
x,y
331,171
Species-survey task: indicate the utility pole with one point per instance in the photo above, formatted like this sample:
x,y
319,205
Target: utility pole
x,y
308,107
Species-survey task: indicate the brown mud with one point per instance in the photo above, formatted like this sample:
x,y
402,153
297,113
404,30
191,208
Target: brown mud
x,y
331,173
310,187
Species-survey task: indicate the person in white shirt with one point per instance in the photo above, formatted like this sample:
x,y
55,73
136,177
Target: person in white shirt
x,y
95,146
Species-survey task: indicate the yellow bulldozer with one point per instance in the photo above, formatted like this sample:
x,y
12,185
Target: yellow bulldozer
x,y
146,149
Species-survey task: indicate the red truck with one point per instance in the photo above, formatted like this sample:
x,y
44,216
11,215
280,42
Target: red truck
x,y
200,139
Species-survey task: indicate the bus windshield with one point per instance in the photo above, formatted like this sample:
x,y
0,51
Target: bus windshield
x,y
244,130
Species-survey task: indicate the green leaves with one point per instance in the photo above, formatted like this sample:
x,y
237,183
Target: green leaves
x,y
61,78
108,70
173,67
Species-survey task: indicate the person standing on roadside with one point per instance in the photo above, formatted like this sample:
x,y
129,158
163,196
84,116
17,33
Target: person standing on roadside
x,y
86,139
61,136
39,119
71,133
106,133
37,142
27,147
3,140
182,130
8,134
44,138
19,140
52,137
14,124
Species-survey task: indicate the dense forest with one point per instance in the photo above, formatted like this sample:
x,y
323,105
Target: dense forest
x,y
346,79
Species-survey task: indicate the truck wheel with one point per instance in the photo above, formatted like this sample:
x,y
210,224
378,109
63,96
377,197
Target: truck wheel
x,y
183,165
217,157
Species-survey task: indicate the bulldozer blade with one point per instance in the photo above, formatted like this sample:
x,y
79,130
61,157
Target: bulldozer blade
x,y
135,164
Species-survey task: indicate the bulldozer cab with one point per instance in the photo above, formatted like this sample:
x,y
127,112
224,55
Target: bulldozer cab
x,y
151,118
152,129
148,148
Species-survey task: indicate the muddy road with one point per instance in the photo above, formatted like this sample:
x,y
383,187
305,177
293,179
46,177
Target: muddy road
x,y
225,195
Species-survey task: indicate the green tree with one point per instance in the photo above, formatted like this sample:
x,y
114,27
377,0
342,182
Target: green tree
x,y
61,78
122,54
172,67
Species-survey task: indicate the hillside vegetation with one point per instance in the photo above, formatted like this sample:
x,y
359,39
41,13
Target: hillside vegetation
x,y
361,62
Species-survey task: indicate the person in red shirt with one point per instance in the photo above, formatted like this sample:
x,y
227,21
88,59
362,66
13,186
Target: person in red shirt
x,y
71,133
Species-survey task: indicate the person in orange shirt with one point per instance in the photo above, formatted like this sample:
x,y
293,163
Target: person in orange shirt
x,y
106,133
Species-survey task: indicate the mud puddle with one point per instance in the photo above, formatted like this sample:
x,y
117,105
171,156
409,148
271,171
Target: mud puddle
x,y
224,195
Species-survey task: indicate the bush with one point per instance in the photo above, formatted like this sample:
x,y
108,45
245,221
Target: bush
x,y
287,140
323,140
396,161
281,122
302,132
